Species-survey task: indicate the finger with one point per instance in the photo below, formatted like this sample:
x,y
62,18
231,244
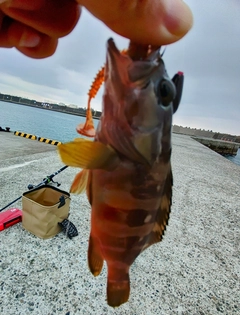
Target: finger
x,y
23,4
30,42
156,22
4,24
53,18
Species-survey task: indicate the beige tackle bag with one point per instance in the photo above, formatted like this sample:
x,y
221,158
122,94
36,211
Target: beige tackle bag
x,y
43,208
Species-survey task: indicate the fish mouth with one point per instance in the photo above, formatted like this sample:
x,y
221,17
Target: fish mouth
x,y
117,65
111,47
114,56
134,68
136,51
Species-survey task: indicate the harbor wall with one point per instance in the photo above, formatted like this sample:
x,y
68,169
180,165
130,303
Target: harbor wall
x,y
219,146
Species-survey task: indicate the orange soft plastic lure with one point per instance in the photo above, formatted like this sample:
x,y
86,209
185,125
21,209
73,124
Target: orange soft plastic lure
x,y
87,129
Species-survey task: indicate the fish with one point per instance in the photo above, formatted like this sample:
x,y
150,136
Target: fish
x,y
126,169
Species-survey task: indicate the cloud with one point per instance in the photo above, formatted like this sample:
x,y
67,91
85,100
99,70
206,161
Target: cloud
x,y
208,55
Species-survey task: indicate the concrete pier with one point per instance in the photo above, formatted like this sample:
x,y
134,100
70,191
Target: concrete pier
x,y
219,146
194,270
12,146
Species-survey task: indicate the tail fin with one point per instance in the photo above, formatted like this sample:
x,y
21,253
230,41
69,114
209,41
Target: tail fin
x,y
118,289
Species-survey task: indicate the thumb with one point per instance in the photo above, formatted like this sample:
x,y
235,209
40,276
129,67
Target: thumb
x,y
156,22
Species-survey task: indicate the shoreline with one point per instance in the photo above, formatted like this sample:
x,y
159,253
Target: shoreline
x,y
65,110
97,114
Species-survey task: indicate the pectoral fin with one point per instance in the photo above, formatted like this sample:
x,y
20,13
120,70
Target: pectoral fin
x,y
88,155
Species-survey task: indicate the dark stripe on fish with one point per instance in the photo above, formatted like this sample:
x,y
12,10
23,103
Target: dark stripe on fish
x,y
138,217
131,218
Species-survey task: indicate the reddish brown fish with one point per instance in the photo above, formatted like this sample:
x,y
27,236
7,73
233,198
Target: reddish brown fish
x,y
126,169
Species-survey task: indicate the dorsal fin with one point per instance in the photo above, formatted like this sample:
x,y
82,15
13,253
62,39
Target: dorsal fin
x,y
163,213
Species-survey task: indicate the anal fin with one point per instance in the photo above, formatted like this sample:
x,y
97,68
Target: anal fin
x,y
95,260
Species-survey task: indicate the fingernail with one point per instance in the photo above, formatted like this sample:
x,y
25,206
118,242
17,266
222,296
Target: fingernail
x,y
29,40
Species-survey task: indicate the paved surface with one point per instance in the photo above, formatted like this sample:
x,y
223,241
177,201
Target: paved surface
x,y
194,270
15,146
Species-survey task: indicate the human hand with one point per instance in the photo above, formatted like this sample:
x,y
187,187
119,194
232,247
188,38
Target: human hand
x,y
34,27
155,22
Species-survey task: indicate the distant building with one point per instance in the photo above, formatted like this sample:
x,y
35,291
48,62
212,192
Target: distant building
x,y
72,106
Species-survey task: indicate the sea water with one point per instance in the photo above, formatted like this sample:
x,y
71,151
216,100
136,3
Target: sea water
x,y
48,124
39,122
235,159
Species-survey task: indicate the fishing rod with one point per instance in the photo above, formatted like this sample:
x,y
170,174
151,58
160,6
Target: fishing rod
x,y
45,181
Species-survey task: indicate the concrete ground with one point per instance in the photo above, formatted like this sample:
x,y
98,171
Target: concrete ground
x,y
15,146
194,270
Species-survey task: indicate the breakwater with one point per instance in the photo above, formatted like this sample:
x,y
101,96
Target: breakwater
x,y
194,132
220,146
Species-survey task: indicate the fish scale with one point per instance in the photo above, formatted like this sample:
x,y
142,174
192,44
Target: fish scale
x,y
126,169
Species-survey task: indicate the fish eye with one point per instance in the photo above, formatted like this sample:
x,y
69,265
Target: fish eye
x,y
167,92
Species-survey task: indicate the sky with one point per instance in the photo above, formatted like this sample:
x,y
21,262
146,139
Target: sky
x,y
209,56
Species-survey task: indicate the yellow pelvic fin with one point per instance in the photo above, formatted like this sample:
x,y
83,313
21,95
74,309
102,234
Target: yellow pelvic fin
x,y
88,154
80,182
